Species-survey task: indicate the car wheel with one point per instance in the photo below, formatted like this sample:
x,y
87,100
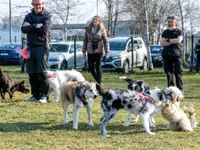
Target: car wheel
x,y
126,67
145,64
63,65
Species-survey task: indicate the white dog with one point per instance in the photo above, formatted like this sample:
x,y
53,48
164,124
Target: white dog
x,y
79,94
56,78
171,111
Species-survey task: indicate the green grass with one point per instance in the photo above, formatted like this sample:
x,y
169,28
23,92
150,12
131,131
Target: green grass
x,y
25,125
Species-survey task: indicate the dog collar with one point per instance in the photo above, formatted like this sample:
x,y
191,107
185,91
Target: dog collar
x,y
84,101
52,76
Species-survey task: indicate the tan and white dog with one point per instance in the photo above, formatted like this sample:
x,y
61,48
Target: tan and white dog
x,y
171,111
56,78
79,94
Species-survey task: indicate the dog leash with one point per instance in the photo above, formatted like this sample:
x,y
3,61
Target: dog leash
x,y
145,99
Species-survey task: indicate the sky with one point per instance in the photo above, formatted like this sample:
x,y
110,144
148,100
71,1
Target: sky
x,y
86,11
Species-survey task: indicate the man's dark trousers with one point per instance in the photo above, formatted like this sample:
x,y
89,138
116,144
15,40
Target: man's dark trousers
x,y
173,66
36,68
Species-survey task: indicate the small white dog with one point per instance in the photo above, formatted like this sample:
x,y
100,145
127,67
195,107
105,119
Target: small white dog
x,y
56,78
79,94
171,111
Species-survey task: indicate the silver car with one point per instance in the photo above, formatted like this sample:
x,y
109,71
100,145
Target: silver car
x,y
121,54
61,55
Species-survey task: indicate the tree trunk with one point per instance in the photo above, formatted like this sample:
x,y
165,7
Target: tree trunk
x,y
116,17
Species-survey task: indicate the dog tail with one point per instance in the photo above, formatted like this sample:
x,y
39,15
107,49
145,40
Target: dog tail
x,y
125,78
101,91
192,115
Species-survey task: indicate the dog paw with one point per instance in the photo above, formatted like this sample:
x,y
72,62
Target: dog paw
x,y
151,133
103,133
54,101
90,124
152,126
75,128
66,121
126,124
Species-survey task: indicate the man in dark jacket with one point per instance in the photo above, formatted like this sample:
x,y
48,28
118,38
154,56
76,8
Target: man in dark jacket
x,y
172,53
37,26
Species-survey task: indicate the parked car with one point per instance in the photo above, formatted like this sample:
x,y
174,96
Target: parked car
x,y
10,54
121,54
61,55
156,55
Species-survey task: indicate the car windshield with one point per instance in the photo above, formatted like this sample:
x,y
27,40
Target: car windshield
x,y
117,45
9,46
156,49
59,47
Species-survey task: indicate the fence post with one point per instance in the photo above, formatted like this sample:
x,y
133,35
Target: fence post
x,y
192,53
75,53
132,58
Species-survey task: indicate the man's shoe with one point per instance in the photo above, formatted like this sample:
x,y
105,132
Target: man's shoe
x,y
32,99
43,99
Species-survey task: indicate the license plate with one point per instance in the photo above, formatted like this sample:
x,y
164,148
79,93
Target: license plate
x,y
4,54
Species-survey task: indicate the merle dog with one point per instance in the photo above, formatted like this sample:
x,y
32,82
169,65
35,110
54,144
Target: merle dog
x,y
9,85
139,86
131,101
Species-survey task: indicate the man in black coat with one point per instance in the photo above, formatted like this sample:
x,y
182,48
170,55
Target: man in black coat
x,y
37,26
172,53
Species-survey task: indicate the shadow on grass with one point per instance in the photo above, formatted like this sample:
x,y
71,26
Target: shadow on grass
x,y
113,129
133,129
21,127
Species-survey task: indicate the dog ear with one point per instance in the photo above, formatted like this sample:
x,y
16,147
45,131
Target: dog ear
x,y
140,82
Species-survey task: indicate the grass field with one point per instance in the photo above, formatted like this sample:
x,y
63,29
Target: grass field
x,y
25,125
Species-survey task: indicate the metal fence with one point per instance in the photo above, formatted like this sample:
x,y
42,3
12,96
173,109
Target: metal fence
x,y
189,44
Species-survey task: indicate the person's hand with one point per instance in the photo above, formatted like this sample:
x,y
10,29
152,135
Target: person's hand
x,y
26,24
107,56
84,55
39,25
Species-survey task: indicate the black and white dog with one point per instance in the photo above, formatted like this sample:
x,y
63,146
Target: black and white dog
x,y
133,102
139,86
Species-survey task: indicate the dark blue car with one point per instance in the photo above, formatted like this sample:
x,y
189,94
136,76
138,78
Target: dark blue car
x,y
10,54
156,55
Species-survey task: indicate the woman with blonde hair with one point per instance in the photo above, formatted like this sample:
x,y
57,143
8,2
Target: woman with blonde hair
x,y
95,41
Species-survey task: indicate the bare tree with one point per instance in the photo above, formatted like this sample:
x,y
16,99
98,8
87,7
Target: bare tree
x,y
61,10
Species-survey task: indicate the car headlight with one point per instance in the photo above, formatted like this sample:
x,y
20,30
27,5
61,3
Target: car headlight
x,y
54,59
117,57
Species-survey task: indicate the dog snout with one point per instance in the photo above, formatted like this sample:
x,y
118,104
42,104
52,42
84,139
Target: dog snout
x,y
95,96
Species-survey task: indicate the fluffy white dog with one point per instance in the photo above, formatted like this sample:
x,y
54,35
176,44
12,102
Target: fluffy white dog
x,y
56,78
171,111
